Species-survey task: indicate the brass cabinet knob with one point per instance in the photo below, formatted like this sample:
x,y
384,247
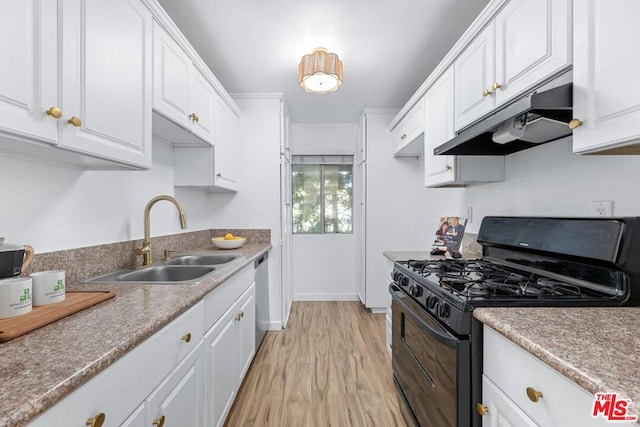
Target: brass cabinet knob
x,y
486,92
96,421
496,86
54,112
159,422
194,118
186,337
448,167
197,119
482,410
533,394
575,123
75,121
403,136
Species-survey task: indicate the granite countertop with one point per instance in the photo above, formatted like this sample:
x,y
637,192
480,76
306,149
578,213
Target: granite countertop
x,y
407,255
596,347
42,367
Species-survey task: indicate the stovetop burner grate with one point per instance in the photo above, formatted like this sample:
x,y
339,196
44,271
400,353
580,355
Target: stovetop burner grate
x,y
469,279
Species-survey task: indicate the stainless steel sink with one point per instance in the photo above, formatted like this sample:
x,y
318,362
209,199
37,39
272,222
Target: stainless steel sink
x,y
160,274
204,259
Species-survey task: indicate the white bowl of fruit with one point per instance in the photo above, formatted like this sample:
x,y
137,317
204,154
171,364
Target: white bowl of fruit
x,y
229,241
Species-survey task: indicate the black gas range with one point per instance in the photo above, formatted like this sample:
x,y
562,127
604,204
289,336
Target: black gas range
x,y
526,261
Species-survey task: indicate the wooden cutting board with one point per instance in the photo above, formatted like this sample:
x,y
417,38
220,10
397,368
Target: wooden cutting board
x,y
45,314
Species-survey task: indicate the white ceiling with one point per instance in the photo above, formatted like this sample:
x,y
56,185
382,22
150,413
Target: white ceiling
x,y
388,47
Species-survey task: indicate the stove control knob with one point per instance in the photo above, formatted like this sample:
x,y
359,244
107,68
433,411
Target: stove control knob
x,y
415,291
403,281
443,309
432,301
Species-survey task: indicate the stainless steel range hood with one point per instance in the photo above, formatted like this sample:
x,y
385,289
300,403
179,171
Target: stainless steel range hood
x,y
539,117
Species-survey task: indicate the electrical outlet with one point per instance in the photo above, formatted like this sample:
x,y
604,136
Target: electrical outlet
x,y
469,214
602,208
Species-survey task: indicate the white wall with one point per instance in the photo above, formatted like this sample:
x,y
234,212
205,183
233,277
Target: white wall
x,y
552,181
257,203
323,265
55,207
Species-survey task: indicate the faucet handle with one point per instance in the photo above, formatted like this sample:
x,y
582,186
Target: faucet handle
x,y
145,249
167,252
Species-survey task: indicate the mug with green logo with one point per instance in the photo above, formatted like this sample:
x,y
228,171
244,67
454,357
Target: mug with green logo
x,y
48,287
15,297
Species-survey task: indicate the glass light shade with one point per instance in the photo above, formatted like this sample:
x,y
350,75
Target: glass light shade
x,y
320,72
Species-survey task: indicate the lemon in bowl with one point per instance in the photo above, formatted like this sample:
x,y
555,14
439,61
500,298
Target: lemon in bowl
x,y
228,241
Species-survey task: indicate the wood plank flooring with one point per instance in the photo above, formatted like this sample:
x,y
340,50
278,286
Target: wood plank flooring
x,y
328,368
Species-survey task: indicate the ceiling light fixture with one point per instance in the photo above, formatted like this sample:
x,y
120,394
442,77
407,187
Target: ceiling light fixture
x,y
320,72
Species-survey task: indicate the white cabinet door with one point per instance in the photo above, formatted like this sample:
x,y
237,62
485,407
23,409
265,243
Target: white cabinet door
x,y
201,99
172,70
106,80
226,146
229,350
28,77
606,86
179,399
474,77
220,369
499,410
533,41
246,335
406,141
439,170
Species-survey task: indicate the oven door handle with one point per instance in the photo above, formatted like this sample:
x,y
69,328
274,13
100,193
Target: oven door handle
x,y
447,340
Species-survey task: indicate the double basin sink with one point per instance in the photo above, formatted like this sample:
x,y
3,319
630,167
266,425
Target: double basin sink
x,y
185,268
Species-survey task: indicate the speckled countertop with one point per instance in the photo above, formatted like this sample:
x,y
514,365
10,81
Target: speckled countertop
x,y
40,368
597,348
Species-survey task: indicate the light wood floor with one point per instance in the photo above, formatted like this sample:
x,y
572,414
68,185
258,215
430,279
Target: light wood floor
x,y
328,368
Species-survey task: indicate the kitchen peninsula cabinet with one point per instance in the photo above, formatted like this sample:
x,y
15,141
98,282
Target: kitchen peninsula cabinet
x,y
606,87
93,96
180,91
451,170
527,42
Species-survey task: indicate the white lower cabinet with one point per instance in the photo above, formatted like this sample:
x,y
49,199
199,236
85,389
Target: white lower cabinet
x,y
178,376
178,400
229,350
520,390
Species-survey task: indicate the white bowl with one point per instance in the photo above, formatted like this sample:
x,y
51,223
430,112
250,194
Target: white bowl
x,y
221,243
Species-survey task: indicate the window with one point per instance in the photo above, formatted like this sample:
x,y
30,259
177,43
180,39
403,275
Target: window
x,y
322,189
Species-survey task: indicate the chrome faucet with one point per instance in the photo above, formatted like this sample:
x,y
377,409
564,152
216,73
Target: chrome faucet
x,y
145,250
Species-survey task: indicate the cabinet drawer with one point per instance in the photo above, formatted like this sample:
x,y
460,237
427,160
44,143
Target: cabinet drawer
x,y
513,370
120,389
221,298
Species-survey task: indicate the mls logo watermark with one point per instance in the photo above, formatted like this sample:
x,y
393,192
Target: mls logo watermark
x,y
611,407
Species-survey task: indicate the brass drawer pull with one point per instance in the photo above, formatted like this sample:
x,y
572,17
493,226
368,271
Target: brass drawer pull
x,y
186,337
96,421
533,394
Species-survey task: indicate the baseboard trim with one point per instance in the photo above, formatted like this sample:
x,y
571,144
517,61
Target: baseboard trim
x,y
326,297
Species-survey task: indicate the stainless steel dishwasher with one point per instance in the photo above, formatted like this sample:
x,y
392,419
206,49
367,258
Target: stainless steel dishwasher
x,y
262,297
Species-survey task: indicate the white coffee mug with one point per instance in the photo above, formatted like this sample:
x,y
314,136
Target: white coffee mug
x,y
15,296
48,287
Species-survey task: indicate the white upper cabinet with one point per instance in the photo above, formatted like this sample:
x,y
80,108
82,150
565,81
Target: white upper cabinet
x,y
474,75
406,134
212,169
106,80
533,41
28,86
180,93
527,42
76,86
451,170
606,86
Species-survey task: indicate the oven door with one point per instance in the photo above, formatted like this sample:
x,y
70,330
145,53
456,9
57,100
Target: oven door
x,y
430,365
